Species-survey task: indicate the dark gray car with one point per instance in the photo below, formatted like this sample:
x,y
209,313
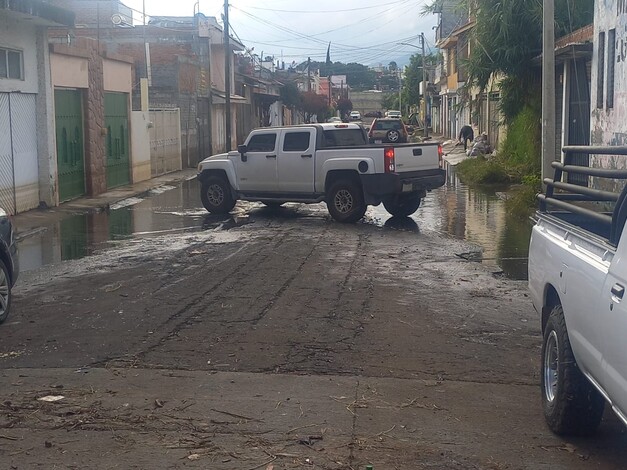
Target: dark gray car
x,y
9,265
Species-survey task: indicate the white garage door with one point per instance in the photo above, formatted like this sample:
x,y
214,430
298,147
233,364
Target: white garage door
x,y
19,181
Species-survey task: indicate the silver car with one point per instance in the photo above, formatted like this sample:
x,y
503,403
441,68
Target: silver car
x,y
9,265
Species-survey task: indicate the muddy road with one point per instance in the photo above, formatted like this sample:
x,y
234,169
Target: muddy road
x,y
279,339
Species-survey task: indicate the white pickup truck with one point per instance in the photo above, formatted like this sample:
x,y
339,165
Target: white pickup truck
x,y
322,162
577,279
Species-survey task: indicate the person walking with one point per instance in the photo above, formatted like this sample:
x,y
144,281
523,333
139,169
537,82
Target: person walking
x,y
466,133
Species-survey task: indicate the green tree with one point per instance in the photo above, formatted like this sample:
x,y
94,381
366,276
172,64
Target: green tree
x,y
344,106
290,96
413,77
313,104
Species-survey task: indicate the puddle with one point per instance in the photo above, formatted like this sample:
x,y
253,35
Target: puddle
x,y
453,210
474,215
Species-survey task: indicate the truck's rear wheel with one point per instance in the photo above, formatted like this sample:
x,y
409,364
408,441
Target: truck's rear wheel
x,y
572,406
345,201
404,205
215,195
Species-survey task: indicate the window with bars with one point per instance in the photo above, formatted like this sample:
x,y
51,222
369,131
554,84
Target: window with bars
x,y
11,64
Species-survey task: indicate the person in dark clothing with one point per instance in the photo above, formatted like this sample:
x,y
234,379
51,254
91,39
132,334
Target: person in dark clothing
x,y
466,133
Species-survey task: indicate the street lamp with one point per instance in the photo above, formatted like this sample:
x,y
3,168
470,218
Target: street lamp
x,y
424,82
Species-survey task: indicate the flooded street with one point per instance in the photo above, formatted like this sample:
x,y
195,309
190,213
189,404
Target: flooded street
x,y
166,337
454,210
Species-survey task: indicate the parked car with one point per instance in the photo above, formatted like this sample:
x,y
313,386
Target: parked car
x,y
577,280
390,130
9,265
391,113
355,116
373,114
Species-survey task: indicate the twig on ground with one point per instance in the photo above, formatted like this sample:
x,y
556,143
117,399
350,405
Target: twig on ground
x,y
303,427
236,416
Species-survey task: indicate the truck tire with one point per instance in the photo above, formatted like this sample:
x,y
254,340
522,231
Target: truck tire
x,y
404,205
393,136
215,194
571,404
345,201
5,292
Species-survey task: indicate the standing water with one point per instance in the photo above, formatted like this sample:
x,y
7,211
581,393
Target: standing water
x,y
454,210
478,216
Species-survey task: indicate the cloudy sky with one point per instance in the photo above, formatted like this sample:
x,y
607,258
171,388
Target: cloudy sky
x,y
364,31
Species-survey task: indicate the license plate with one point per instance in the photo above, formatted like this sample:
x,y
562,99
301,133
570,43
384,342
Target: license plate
x,y
408,187
378,141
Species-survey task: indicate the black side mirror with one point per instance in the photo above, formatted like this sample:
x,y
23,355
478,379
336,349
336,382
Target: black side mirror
x,y
242,151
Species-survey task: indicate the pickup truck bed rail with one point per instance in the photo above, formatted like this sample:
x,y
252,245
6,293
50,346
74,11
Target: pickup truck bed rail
x,y
568,194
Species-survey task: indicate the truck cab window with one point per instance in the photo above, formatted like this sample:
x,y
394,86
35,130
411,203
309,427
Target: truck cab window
x,y
262,143
296,141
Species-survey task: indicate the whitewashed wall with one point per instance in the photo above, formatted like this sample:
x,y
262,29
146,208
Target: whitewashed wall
x,y
609,125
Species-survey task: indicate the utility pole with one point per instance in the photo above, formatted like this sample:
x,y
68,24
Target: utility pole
x,y
308,73
400,90
548,87
424,88
227,76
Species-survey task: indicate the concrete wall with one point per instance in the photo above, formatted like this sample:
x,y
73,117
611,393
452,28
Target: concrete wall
x,y
140,146
366,101
117,76
609,125
69,71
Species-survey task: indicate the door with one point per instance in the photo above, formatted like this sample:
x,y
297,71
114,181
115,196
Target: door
x,y
19,166
613,325
578,119
68,111
296,161
116,122
7,175
258,171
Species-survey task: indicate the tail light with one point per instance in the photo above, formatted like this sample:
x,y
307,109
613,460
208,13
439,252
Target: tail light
x,y
440,156
388,154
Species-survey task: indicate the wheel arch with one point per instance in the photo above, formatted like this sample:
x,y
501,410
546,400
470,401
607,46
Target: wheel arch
x,y
336,175
551,300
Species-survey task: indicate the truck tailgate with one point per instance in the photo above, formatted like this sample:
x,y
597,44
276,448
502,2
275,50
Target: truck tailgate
x,y
416,157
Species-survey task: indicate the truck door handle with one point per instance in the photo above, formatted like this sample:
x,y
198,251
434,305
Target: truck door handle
x,y
270,156
307,155
618,291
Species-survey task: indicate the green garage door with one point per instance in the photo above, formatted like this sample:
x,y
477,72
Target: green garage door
x,y
116,121
68,108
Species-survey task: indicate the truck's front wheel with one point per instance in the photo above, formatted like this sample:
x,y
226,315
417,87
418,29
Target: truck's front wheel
x,y
404,205
572,406
345,201
215,195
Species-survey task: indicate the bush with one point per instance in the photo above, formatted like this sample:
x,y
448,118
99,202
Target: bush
x,y
522,146
522,201
477,171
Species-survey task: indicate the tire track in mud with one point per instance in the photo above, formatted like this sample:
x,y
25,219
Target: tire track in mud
x,y
189,309
307,355
288,282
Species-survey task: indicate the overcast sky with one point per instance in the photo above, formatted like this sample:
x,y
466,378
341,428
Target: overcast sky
x,y
363,31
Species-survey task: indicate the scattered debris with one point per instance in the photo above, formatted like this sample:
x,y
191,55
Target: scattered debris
x,y
51,398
